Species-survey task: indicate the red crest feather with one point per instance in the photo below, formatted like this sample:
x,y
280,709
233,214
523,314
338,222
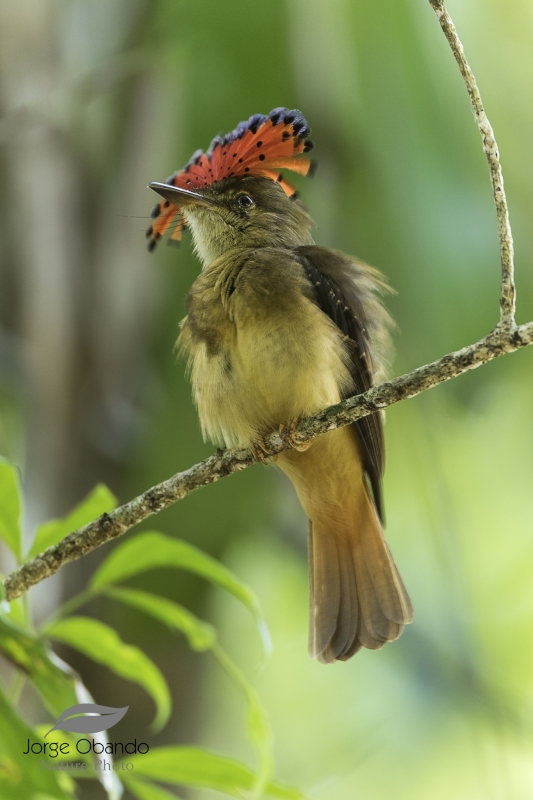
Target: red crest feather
x,y
261,146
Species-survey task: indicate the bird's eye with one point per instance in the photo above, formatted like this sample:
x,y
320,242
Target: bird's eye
x,y
244,201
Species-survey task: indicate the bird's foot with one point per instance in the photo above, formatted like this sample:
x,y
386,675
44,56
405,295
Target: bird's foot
x,y
259,449
286,433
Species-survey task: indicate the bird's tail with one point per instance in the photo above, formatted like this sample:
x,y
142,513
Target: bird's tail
x,y
357,595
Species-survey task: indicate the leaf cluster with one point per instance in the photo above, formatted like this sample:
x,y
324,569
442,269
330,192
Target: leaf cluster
x,y
31,652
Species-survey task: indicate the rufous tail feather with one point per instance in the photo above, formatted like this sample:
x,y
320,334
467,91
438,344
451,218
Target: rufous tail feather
x,y
357,597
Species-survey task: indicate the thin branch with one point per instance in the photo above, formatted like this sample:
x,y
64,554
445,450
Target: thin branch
x,y
505,338
508,292
225,462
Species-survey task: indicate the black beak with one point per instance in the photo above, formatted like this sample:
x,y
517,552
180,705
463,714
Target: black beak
x,y
182,197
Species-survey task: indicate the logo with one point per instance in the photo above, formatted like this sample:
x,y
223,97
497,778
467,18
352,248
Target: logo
x,y
88,718
92,720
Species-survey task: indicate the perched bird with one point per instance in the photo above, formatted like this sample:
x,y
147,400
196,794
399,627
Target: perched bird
x,y
277,329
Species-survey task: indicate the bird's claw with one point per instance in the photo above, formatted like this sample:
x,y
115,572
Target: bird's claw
x,y
260,451
286,433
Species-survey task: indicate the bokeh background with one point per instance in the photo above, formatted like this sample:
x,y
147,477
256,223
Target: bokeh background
x,y
98,97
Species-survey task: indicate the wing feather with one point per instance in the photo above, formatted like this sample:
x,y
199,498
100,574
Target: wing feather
x,y
345,290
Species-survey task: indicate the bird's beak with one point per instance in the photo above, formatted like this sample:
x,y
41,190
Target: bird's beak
x,y
182,197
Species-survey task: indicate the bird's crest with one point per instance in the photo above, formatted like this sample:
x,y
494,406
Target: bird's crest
x,y
261,146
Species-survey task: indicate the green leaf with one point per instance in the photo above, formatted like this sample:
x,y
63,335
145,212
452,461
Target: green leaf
x,y
103,644
20,775
153,549
58,686
55,685
193,766
17,612
200,634
10,506
97,502
43,796
144,790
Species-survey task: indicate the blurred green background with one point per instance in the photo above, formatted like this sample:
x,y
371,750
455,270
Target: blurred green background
x,y
98,97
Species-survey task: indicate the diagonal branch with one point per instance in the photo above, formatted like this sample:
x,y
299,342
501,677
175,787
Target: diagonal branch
x,y
505,338
225,462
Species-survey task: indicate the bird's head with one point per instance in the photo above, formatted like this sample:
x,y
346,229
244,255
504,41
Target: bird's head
x,y
240,212
234,195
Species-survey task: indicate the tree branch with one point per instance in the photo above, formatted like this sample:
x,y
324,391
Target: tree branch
x,y
225,462
505,338
508,292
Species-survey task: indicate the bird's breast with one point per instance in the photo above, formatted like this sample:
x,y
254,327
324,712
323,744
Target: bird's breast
x,y
261,353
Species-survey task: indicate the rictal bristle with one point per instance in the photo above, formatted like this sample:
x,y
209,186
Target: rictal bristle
x,y
260,146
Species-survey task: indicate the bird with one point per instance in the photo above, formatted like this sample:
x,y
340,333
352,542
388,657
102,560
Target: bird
x,y
278,328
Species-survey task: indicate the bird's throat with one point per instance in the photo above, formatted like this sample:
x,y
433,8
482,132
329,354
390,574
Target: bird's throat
x,y
212,236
